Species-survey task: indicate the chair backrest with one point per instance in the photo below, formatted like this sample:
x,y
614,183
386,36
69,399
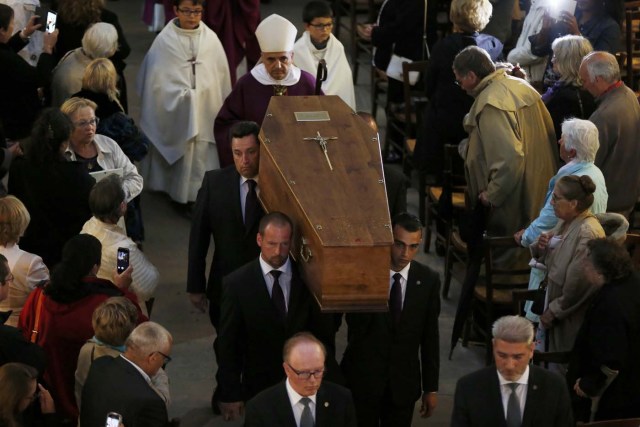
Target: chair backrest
x,y
629,422
544,358
499,277
415,97
632,42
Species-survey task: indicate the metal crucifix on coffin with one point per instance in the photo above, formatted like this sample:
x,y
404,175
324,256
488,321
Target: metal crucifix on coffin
x,y
322,142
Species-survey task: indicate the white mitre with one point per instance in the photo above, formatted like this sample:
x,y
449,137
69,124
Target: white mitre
x,y
276,34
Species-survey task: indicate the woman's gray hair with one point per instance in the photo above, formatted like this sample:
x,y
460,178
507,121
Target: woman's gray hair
x,y
100,40
603,65
582,136
149,337
470,15
568,52
513,329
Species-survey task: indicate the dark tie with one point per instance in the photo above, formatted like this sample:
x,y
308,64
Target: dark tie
x,y
395,299
251,204
277,296
306,420
514,418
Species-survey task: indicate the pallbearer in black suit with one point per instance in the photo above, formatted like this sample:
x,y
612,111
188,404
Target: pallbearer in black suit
x,y
381,361
512,393
226,208
263,304
303,399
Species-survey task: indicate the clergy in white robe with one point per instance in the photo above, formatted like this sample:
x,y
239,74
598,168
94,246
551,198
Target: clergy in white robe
x,y
183,82
339,76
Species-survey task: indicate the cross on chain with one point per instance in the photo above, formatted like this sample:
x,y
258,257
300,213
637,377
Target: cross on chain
x,y
322,141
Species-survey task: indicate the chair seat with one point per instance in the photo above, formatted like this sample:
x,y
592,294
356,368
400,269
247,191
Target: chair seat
x,y
457,198
500,296
411,145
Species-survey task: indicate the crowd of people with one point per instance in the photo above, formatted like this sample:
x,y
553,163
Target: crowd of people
x,y
547,142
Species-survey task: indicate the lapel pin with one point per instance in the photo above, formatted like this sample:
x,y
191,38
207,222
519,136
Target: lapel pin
x,y
326,404
418,282
535,387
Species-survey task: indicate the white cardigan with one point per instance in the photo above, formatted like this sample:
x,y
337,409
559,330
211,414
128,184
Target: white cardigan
x,y
145,275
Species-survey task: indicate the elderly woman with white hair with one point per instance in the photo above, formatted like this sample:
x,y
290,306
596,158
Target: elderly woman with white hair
x,y
99,41
578,147
567,98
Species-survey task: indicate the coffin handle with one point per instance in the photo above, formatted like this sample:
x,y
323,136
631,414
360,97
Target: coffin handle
x,y
305,251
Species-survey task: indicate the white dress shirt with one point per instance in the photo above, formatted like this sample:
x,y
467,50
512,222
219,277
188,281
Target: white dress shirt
x,y
284,279
297,406
521,391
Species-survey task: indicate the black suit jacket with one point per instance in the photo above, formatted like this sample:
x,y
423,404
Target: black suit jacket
x,y
478,401
252,336
272,407
114,385
218,213
378,354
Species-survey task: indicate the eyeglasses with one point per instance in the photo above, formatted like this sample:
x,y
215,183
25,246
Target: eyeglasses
x,y
322,26
87,123
305,375
167,359
34,396
190,12
555,197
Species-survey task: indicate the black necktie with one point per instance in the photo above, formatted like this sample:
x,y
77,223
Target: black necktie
x,y
514,418
277,296
306,420
395,299
251,204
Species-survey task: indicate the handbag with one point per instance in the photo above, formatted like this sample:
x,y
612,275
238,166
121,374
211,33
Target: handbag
x,y
394,69
540,298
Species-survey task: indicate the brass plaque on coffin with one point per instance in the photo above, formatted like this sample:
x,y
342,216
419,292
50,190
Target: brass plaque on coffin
x,y
336,199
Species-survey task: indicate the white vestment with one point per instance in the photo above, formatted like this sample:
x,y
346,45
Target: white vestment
x,y
179,106
339,77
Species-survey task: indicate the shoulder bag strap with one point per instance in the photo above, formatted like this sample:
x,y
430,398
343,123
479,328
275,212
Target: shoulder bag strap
x,y
36,324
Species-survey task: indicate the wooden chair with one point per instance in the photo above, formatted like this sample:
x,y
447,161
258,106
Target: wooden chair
x,y
632,43
495,294
629,422
402,124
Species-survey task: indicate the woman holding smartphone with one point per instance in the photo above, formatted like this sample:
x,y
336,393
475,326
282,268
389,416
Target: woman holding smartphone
x,y
19,390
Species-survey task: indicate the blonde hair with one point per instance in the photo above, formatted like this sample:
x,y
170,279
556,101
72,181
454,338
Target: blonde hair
x,y
14,220
113,320
80,12
100,77
72,105
568,52
470,15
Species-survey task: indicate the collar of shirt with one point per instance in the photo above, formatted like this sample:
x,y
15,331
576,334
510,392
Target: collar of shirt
x,y
403,280
284,279
294,399
143,373
259,72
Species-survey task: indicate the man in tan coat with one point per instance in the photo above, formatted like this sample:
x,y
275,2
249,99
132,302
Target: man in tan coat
x,y
511,152
509,158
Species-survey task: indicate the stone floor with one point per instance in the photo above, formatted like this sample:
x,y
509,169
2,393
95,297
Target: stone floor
x,y
193,367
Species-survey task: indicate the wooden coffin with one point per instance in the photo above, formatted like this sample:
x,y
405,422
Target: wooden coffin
x,y
342,232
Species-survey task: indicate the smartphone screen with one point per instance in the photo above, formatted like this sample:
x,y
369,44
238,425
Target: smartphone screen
x,y
123,259
52,17
113,419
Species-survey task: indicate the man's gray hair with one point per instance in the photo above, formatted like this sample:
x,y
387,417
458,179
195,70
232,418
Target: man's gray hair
x,y
582,136
476,59
513,329
603,65
100,40
148,337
